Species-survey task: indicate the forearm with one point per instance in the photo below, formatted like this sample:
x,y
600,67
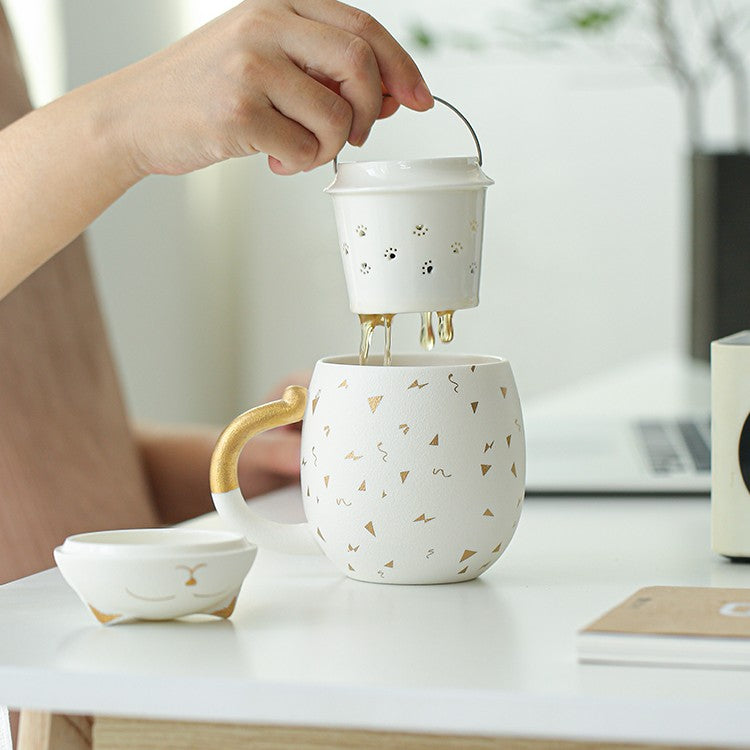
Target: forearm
x,y
60,167
176,462
176,465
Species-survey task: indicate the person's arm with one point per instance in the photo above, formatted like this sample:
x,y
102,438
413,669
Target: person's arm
x,y
294,79
176,462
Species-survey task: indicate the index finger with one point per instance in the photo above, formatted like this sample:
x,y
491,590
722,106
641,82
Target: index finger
x,y
399,72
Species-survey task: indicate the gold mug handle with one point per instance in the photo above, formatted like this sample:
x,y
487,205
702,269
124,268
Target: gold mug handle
x,y
225,486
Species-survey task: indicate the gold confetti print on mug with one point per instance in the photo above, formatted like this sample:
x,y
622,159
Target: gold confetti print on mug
x,y
315,402
474,405
374,402
507,439
513,470
488,513
486,468
370,528
417,384
363,487
424,518
488,446
467,554
435,441
403,475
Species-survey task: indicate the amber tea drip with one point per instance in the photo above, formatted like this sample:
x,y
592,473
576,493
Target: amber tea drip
x,y
368,323
445,326
426,336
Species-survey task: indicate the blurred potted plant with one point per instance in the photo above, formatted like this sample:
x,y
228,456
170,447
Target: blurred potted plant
x,y
696,44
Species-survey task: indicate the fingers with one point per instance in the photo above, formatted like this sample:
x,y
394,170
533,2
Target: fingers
x,y
327,52
398,71
291,146
275,452
325,114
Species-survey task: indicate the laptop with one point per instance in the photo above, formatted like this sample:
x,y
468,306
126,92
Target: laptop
x,y
595,445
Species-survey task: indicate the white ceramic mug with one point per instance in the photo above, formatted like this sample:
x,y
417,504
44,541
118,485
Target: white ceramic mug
x,y
412,473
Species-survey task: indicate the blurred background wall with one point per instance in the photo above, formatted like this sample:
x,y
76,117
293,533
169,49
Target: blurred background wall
x,y
217,284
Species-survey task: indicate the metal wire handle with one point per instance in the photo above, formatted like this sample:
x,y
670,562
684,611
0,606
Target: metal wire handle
x,y
453,109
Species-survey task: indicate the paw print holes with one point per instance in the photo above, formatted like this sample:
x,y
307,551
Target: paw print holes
x,y
390,253
420,230
473,268
361,230
365,268
427,268
456,247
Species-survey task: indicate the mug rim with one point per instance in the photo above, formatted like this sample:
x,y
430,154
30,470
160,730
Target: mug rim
x,y
416,361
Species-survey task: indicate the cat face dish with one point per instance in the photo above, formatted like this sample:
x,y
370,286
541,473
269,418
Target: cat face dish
x,y
155,574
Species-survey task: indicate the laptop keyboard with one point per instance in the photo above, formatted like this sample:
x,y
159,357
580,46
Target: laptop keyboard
x,y
676,446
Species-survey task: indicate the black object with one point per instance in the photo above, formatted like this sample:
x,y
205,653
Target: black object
x,y
720,303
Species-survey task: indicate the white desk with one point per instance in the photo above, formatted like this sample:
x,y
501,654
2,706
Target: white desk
x,y
494,657
490,658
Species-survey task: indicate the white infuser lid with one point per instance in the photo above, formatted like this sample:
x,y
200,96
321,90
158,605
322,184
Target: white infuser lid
x,y
453,172
461,172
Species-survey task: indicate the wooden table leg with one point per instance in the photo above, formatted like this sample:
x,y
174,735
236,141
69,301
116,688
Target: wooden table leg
x,y
40,730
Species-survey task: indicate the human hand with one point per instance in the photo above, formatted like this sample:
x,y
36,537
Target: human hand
x,y
295,79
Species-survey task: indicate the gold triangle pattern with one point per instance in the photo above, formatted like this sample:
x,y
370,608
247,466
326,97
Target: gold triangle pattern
x,y
474,405
434,441
353,549
463,570
467,554
504,391
389,564
374,402
417,384
363,486
513,470
320,534
488,512
326,478
487,446
403,475
485,468
370,528
507,439
497,549
315,402
343,384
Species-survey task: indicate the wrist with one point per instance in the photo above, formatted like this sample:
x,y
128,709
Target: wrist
x,y
109,129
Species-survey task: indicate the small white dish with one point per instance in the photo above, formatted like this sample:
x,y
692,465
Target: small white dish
x,y
155,574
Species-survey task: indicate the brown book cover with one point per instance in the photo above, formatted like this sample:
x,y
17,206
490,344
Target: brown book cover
x,y
673,625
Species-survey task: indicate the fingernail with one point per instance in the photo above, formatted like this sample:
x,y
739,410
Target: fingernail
x,y
364,137
422,93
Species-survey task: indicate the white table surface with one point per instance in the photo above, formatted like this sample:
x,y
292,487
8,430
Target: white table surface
x,y
494,656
